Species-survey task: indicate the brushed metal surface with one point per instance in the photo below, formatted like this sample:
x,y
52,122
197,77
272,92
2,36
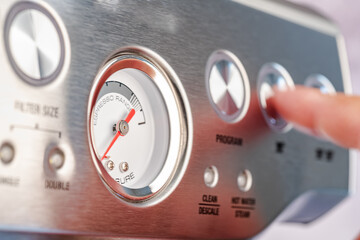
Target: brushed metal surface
x,y
184,33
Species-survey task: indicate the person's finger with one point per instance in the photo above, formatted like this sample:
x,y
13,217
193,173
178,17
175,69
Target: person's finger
x,y
335,117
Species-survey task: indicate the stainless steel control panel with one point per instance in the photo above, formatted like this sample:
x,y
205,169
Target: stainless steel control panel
x,y
149,118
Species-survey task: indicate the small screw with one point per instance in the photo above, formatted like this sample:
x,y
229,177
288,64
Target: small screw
x,y
123,127
124,166
110,165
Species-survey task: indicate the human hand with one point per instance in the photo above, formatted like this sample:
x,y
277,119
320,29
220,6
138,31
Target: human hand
x,y
333,117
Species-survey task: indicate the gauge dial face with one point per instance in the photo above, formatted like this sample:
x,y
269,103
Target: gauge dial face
x,y
136,128
137,156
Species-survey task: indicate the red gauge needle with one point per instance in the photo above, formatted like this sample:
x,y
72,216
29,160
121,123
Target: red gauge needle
x,y
118,133
130,115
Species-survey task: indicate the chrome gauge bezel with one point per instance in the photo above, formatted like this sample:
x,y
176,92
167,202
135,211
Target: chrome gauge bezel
x,y
179,116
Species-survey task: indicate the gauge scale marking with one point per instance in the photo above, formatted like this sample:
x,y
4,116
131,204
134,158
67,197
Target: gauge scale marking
x,y
117,91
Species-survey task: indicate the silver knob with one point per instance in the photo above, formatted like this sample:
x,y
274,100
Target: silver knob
x,y
34,43
227,85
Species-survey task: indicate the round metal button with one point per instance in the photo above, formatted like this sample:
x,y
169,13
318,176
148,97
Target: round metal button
x,y
34,43
273,75
321,82
227,86
7,152
211,176
244,180
56,158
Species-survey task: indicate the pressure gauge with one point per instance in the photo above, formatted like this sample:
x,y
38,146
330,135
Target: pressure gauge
x,y
138,129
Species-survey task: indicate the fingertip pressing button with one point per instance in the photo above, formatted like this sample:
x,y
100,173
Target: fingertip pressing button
x,y
273,75
244,180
